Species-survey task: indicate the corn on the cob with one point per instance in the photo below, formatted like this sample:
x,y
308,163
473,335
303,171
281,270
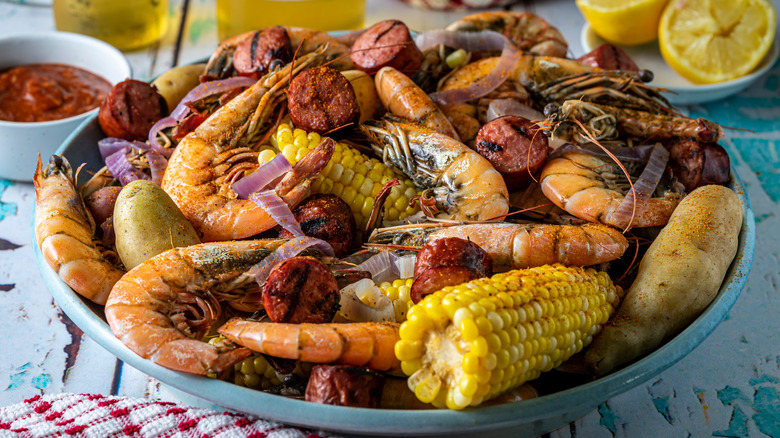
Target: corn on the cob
x,y
468,343
399,293
350,175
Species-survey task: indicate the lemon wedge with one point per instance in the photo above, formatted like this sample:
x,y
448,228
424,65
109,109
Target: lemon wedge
x,y
623,22
709,41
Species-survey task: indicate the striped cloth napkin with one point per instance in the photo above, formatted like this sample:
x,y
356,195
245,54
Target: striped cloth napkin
x,y
90,415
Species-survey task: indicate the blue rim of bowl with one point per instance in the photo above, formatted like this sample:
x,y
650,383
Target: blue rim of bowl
x,y
582,398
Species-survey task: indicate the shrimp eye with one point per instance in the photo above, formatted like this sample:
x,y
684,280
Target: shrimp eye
x,y
274,64
550,109
646,75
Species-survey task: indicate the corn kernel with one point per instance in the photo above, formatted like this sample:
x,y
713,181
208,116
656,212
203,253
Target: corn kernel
x,y
265,156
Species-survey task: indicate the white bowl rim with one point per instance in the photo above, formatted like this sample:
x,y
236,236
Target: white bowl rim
x,y
736,84
70,36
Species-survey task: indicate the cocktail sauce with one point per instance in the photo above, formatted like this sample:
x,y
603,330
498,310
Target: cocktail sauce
x,y
41,92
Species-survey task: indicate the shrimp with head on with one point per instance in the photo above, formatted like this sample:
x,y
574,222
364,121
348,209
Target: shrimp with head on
x,y
597,189
208,160
518,246
65,232
462,182
163,308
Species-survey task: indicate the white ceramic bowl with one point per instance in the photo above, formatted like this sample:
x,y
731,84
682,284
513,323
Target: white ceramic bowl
x,y
20,142
682,91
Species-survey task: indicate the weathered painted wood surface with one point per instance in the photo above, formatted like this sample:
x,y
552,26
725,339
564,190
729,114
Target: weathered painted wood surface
x,y
728,386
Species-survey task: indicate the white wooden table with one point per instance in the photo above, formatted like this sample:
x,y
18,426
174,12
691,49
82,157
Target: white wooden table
x,y
728,386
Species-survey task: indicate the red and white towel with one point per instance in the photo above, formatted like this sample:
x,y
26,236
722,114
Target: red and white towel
x,y
88,415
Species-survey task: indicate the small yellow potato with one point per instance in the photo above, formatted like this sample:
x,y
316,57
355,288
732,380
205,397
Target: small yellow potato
x,y
147,222
678,277
175,83
365,91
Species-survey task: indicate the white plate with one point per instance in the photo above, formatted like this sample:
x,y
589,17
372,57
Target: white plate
x,y
648,56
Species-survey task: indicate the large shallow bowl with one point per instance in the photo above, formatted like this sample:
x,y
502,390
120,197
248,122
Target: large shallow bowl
x,y
529,418
20,142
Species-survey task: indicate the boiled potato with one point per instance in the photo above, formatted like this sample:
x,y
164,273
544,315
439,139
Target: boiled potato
x,y
365,91
147,222
679,276
175,83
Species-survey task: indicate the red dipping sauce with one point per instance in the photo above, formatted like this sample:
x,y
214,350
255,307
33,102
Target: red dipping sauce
x,y
41,92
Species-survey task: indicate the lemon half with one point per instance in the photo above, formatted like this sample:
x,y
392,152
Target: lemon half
x,y
709,41
623,22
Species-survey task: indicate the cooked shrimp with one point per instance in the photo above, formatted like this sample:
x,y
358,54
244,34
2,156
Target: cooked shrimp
x,y
65,232
402,97
163,307
592,188
517,246
201,169
608,123
367,344
463,183
220,64
529,32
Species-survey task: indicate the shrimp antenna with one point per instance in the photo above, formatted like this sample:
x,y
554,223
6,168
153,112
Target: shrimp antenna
x,y
633,260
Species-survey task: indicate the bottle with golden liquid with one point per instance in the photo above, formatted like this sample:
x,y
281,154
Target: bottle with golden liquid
x,y
238,16
125,24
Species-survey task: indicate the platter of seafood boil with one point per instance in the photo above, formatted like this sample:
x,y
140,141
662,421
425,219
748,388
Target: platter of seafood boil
x,y
381,232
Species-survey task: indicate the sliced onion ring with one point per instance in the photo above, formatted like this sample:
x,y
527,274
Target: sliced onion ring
x,y
510,56
110,145
484,40
262,177
279,211
119,166
381,266
292,248
511,107
643,187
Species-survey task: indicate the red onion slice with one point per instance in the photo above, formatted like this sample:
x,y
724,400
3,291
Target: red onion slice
x,y
121,168
262,177
503,70
292,248
157,166
111,145
484,40
381,266
511,107
164,123
279,211
644,187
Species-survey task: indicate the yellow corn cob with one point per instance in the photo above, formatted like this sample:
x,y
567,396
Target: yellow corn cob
x,y
399,293
350,175
469,343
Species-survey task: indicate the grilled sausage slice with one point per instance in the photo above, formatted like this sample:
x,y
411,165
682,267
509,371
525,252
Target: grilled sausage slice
x,y
328,218
387,43
301,289
515,147
258,54
322,100
343,385
131,109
